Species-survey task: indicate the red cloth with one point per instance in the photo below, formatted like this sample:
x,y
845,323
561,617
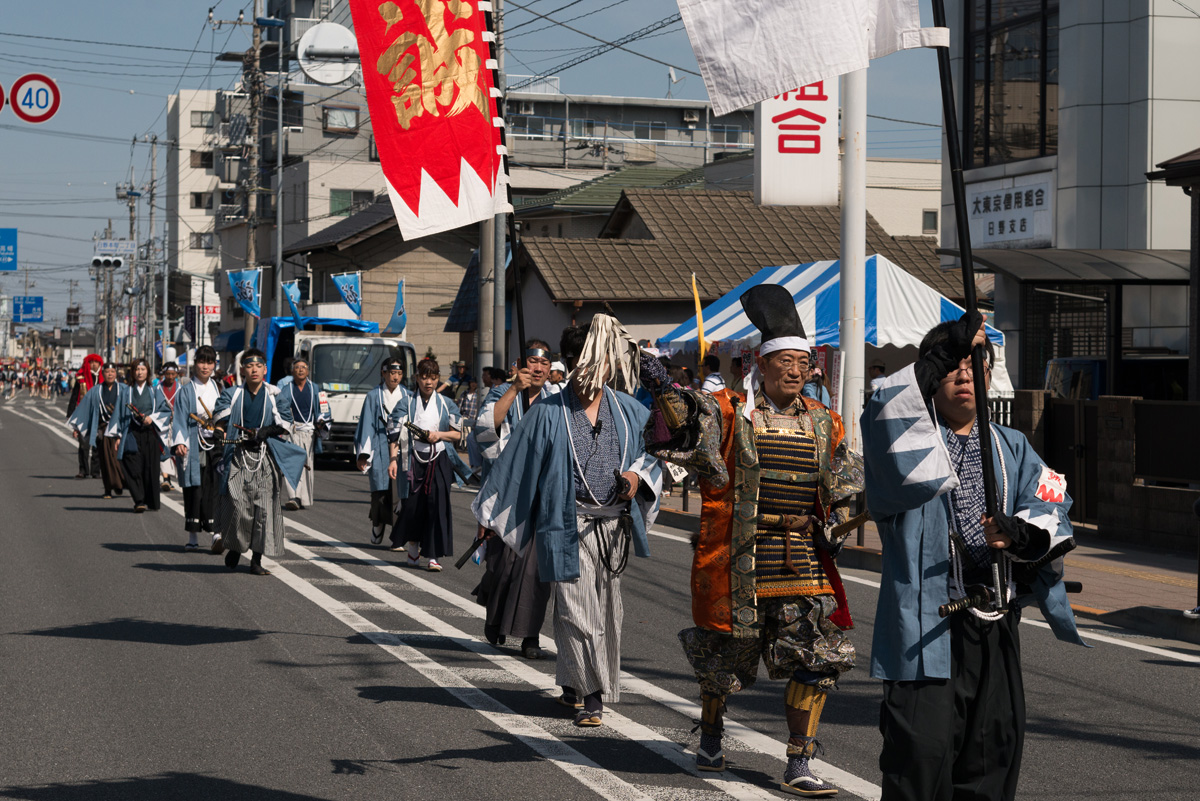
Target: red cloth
x,y
85,373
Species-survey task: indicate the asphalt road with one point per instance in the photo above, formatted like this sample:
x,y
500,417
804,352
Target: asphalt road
x,y
134,670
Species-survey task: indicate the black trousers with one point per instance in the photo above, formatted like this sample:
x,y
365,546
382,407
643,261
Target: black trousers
x,y
383,505
141,467
89,459
958,739
200,502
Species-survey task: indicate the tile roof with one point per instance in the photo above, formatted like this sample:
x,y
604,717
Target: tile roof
x,y
378,213
722,236
606,190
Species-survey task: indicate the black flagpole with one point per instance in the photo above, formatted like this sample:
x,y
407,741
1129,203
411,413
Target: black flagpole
x,y
954,150
501,103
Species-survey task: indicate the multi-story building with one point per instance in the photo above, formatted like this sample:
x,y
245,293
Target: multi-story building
x,y
1066,105
191,203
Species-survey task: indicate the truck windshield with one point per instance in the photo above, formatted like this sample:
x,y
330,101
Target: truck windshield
x,y
351,367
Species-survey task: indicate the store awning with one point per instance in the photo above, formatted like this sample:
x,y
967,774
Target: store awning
x,y
1061,265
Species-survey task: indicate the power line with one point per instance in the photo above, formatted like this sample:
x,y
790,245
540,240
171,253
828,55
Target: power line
x,y
599,51
94,42
571,19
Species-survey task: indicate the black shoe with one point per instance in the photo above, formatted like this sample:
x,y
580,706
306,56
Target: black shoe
x,y
80,475
493,635
531,648
259,570
231,560
139,508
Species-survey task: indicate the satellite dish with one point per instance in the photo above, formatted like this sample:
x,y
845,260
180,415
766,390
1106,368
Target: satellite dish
x,y
328,53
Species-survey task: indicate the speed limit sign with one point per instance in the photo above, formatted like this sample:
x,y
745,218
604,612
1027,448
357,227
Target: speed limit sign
x,y
35,97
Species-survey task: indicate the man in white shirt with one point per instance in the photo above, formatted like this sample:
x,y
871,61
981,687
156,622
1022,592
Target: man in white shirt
x,y
310,413
710,369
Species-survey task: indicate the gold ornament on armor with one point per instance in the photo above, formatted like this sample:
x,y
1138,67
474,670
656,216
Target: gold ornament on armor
x,y
448,80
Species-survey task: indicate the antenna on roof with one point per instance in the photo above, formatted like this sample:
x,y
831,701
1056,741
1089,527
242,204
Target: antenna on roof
x,y
672,80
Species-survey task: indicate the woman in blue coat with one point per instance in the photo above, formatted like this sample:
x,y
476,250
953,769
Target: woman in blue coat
x,y
141,423
376,442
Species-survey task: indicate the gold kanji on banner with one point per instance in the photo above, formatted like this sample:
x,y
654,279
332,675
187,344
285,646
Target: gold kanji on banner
x,y
449,66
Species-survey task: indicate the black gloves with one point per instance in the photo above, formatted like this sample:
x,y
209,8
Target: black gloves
x,y
263,434
935,365
1028,541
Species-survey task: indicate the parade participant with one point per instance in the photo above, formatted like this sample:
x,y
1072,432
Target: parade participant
x,y
575,483
815,387
170,389
378,433
953,713
249,515
558,378
310,417
89,375
90,422
193,442
424,526
515,598
140,423
764,585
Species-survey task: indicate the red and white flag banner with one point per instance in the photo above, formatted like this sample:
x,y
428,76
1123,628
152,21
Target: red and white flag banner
x,y
427,71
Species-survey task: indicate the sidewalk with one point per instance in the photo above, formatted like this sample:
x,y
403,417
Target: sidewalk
x,y
1123,585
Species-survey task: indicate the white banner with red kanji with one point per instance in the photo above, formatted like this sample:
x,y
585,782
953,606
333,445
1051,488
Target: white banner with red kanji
x,y
796,147
428,79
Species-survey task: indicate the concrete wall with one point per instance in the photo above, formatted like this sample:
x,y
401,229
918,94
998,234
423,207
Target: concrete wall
x,y
1128,509
432,268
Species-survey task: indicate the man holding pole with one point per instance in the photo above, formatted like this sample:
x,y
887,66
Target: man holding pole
x,y
953,715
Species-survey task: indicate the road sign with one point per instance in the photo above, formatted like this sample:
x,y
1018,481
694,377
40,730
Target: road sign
x,y
8,249
27,308
1,97
35,97
116,247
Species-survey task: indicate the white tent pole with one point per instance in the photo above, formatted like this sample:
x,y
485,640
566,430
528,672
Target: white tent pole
x,y
854,249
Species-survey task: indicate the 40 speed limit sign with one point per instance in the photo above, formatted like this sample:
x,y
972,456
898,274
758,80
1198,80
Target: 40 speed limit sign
x,y
34,98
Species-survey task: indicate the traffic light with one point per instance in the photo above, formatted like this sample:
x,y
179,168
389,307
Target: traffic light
x,y
111,262
73,317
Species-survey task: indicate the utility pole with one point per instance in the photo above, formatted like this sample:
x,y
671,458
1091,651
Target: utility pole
x,y
152,252
252,82
131,197
109,342
71,284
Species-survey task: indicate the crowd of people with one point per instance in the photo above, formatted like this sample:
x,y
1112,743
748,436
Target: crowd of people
x,y
38,382
567,446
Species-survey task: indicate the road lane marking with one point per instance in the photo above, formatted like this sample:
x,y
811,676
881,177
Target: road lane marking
x,y
756,740
636,732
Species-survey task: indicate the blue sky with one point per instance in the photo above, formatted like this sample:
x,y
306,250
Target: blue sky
x,y
58,188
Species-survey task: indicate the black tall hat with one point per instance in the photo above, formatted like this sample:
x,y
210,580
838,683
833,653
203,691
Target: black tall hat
x,y
773,311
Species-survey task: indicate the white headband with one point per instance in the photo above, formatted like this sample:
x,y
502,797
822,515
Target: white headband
x,y
783,343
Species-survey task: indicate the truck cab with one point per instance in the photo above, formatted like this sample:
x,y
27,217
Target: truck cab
x,y
347,368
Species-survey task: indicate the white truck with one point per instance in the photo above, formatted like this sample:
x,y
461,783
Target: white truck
x,y
346,364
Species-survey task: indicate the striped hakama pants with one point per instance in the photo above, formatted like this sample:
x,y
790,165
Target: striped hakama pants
x,y
249,516
587,617
303,493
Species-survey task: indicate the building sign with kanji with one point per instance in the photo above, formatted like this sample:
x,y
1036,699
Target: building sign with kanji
x,y
796,147
1011,216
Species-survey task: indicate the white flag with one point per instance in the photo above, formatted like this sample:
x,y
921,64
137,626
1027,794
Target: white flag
x,y
751,50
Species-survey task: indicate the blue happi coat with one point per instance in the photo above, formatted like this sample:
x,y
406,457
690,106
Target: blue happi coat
x,y
186,431
448,418
371,438
86,417
289,458
909,477
122,418
492,442
531,487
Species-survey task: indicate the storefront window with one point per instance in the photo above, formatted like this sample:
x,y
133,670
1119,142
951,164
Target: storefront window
x,y
1012,81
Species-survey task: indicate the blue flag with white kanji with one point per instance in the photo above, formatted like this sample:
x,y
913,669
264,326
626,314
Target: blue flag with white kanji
x,y
291,291
244,285
349,286
399,316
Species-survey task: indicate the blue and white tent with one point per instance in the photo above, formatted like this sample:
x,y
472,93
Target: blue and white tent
x,y
900,310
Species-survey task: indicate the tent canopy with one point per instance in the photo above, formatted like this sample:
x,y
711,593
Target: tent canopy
x,y
900,310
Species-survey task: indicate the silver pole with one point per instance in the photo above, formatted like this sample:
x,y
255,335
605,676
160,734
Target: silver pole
x,y
854,248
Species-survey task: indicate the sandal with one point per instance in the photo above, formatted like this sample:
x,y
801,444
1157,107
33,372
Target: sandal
x,y
585,719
